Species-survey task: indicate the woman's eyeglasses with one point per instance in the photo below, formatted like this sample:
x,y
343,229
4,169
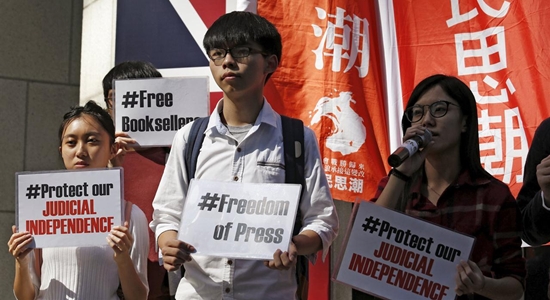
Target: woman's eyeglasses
x,y
437,109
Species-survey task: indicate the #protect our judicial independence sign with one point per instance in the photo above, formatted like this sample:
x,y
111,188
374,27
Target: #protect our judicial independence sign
x,y
395,256
69,208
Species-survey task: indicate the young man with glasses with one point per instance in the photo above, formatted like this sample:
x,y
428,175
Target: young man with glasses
x,y
243,143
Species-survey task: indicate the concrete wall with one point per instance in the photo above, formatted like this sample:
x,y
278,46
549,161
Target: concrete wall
x,y
40,44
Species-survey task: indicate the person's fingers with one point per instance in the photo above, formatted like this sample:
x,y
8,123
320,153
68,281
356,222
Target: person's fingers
x,y
285,261
121,237
277,263
19,245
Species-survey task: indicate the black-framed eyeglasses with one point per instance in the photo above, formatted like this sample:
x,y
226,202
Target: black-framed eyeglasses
x,y
437,109
218,54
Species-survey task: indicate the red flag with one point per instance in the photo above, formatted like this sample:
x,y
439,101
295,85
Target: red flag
x,y
500,50
330,77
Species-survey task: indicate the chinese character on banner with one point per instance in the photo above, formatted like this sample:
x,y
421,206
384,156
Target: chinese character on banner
x,y
482,42
330,77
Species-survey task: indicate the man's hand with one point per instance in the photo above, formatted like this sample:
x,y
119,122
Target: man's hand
x,y
175,253
283,260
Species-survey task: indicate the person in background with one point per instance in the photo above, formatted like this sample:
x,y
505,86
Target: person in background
x,y
534,201
143,169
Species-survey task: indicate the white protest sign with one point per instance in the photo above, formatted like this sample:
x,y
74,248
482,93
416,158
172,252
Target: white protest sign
x,y
152,110
395,256
239,220
69,208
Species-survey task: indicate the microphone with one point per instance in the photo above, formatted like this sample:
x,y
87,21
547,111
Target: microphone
x,y
409,148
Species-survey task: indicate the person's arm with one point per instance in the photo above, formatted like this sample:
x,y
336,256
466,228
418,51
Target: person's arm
x,y
307,242
121,241
169,201
319,218
534,216
470,280
392,192
23,287
390,195
507,266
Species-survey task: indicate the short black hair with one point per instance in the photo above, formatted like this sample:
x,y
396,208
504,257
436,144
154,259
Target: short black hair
x,y
92,109
128,70
240,27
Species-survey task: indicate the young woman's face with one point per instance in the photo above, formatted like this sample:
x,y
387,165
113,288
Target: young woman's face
x,y
85,144
446,130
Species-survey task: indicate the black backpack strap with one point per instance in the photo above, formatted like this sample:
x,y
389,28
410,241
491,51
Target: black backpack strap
x,y
191,152
293,140
194,144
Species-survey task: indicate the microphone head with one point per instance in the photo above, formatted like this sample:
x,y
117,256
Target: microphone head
x,y
426,138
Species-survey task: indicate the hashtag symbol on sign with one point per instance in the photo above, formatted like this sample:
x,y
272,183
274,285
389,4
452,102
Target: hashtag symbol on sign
x,y
130,99
371,224
33,191
209,201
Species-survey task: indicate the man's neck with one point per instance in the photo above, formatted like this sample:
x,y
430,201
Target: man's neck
x,y
238,111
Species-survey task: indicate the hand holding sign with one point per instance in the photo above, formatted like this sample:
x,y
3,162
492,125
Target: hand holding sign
x,y
469,278
120,240
174,252
18,244
283,260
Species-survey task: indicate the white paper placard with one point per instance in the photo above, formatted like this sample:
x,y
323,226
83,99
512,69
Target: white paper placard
x,y
152,110
70,207
239,220
395,256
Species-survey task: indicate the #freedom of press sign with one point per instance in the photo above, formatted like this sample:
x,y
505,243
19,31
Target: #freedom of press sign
x,y
69,208
239,220
395,256
152,110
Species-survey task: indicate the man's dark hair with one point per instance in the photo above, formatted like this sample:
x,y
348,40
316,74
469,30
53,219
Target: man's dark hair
x,y
128,70
238,28
93,110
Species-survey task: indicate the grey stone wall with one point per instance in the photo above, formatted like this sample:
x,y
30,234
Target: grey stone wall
x,y
39,80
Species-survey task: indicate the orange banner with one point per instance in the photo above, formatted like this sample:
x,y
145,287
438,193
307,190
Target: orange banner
x,y
500,50
330,77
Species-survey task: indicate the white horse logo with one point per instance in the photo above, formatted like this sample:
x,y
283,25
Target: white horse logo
x,y
349,132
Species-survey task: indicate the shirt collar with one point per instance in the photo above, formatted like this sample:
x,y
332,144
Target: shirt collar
x,y
267,115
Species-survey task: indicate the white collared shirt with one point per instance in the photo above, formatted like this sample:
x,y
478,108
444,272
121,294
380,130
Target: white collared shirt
x,y
259,158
